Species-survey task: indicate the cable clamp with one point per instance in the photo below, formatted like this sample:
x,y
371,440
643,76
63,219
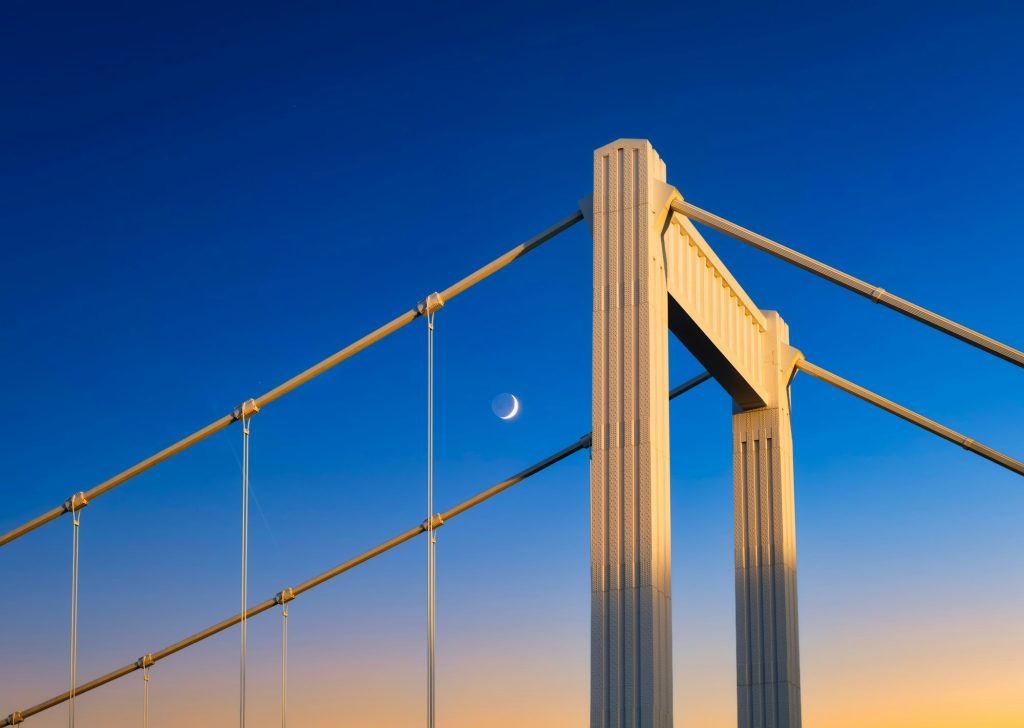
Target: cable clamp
x,y
15,718
877,293
432,523
76,502
430,304
245,410
967,443
284,596
145,661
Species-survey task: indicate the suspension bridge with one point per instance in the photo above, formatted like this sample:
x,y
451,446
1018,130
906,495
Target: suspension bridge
x,y
654,275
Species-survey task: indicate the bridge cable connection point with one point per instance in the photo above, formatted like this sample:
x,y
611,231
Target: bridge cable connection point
x,y
284,596
15,718
432,523
245,410
76,502
430,304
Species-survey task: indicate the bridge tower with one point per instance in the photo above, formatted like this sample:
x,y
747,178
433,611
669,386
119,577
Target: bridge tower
x,y
654,273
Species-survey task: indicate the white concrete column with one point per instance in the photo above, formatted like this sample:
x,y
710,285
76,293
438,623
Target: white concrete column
x,y
631,632
767,644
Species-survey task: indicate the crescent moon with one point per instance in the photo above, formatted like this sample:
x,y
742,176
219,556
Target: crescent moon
x,y
514,411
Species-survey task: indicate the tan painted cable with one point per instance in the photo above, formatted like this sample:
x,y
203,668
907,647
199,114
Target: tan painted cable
x,y
581,444
912,417
834,275
299,379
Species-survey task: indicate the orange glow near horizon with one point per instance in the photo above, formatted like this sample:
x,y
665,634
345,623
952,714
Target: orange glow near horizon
x,y
901,677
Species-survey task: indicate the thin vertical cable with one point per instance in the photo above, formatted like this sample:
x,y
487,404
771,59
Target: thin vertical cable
x,y
145,697
284,665
245,567
431,538
76,519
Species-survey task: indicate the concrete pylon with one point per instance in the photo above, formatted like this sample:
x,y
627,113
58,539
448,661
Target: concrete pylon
x,y
767,643
631,632
655,273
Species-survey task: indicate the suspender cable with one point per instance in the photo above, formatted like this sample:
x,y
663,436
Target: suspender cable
x,y
284,665
582,444
876,294
298,380
913,417
75,505
145,697
283,597
431,304
431,538
248,410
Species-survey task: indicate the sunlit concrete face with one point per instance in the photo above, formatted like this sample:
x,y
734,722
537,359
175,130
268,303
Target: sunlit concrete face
x,y
653,272
631,632
767,640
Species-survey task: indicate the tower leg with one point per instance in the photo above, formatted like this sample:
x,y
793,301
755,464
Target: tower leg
x,y
767,643
631,631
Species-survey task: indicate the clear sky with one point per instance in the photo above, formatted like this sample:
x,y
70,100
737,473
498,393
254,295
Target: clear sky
x,y
198,202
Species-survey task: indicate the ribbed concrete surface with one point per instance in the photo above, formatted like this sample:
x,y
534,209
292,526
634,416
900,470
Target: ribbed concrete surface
x,y
767,642
631,657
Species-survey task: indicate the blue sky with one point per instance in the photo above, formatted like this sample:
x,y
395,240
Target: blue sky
x,y
199,202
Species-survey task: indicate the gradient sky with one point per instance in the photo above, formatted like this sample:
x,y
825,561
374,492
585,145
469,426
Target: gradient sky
x,y
198,202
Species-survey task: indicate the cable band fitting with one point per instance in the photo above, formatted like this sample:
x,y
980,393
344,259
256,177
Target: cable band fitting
x,y
432,523
430,304
245,410
76,502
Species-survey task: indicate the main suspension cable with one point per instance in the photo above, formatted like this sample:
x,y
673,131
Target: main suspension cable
x,y
874,293
912,417
581,444
299,379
